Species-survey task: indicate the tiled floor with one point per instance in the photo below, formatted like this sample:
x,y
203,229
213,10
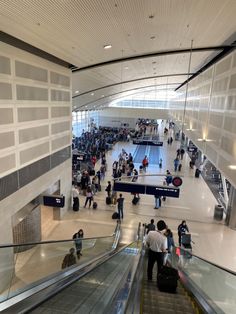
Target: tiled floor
x,y
212,240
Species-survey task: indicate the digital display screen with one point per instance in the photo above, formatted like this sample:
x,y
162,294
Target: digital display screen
x,y
54,201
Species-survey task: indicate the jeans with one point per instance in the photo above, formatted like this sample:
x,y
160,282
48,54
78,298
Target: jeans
x,y
120,211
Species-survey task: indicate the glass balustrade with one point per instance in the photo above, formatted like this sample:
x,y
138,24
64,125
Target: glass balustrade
x,y
24,266
215,284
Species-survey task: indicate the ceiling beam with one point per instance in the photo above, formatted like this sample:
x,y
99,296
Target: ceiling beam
x,y
124,91
20,44
149,55
131,81
217,58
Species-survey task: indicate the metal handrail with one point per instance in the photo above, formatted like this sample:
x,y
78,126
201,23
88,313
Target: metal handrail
x,y
206,261
56,241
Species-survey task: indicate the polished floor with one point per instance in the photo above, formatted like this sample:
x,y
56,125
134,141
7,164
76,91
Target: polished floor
x,y
212,240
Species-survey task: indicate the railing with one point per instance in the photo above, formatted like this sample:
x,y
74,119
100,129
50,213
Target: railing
x,y
213,286
24,266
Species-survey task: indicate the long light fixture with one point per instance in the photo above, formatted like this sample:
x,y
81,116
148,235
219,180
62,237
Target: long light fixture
x,y
232,167
107,46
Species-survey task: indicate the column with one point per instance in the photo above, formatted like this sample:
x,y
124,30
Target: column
x,y
231,209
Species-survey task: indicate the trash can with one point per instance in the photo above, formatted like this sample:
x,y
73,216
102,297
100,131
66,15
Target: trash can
x,y
218,213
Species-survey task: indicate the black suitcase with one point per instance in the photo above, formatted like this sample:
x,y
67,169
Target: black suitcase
x,y
115,215
135,200
95,205
197,173
167,279
76,206
108,200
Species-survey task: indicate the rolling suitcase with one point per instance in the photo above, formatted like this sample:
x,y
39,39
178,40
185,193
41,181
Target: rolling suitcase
x,y
197,173
167,279
108,200
115,215
95,205
135,200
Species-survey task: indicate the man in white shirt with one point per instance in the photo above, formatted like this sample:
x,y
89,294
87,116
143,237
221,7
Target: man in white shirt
x,y
75,195
157,244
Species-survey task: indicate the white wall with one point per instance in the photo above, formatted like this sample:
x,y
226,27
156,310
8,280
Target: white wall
x,y
211,114
35,122
116,117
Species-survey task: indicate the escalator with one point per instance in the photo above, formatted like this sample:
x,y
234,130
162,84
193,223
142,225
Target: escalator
x,y
115,282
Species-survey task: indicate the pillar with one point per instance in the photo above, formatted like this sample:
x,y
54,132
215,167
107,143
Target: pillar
x,y
231,209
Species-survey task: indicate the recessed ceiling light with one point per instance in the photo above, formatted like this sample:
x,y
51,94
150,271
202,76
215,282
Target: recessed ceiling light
x,y
126,68
77,91
92,94
107,46
232,167
102,95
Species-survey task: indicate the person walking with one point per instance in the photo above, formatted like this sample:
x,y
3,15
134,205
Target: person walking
x,y
176,163
108,189
77,237
89,197
157,244
75,195
182,229
157,201
182,151
151,226
69,259
168,177
120,206
170,240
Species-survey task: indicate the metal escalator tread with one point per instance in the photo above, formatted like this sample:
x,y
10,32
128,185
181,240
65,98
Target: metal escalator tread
x,y
155,301
84,295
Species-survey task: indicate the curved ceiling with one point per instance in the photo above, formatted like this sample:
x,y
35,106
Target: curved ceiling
x,y
76,31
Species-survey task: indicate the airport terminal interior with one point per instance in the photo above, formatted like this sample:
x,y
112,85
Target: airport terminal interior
x,y
114,113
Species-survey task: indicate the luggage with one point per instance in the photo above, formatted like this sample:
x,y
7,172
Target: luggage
x,y
135,200
76,204
186,241
92,172
197,173
167,279
108,200
95,205
115,215
99,188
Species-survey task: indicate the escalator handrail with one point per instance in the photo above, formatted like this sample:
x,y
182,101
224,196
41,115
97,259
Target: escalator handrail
x,y
62,280
207,261
57,241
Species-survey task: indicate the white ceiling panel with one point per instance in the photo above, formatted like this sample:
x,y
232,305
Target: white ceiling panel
x,y
77,30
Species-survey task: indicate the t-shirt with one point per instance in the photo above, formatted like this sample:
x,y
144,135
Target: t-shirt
x,y
156,241
150,227
120,202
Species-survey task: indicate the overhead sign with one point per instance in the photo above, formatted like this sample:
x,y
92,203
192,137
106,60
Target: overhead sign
x,y
129,187
150,143
162,191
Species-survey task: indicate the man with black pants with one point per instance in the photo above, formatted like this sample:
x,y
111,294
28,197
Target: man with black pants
x,y
120,206
157,244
